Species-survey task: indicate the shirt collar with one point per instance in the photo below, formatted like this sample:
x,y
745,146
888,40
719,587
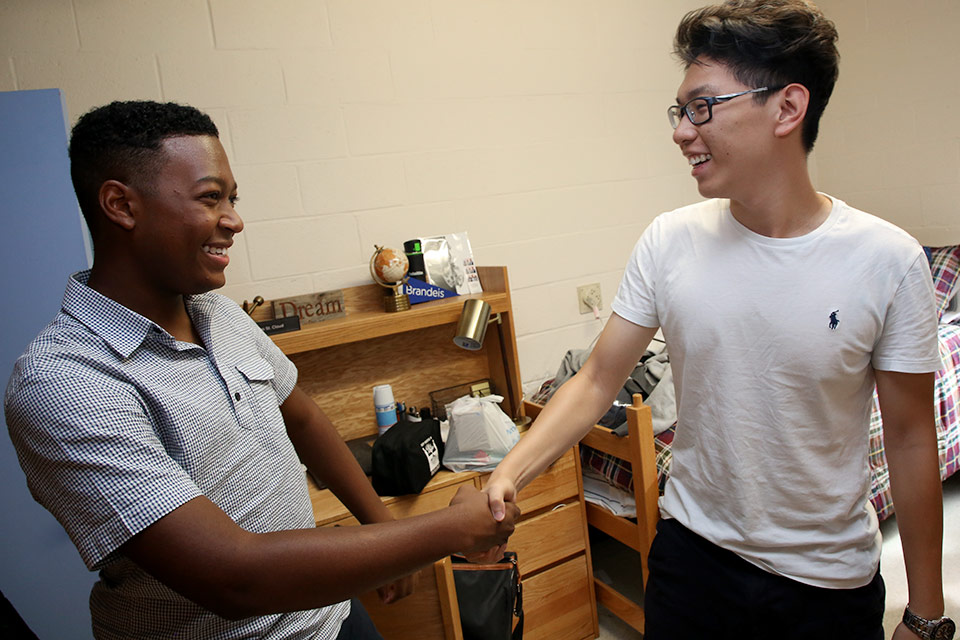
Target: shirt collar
x,y
122,329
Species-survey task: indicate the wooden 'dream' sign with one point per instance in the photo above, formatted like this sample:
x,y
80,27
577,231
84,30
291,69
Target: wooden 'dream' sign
x,y
313,307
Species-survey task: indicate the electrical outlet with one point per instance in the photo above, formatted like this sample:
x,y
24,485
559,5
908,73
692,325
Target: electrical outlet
x,y
588,296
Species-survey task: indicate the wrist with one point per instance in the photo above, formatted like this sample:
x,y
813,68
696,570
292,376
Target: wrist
x,y
926,609
461,535
935,628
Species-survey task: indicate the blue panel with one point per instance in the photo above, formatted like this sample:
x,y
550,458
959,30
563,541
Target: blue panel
x,y
41,244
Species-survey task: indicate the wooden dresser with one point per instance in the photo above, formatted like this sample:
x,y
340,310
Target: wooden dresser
x,y
340,360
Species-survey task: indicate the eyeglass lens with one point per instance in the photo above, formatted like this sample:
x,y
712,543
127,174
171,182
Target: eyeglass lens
x,y
697,110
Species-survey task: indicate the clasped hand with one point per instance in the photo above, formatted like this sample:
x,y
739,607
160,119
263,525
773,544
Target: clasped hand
x,y
490,532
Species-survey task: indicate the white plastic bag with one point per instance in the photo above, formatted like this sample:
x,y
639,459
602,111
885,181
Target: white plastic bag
x,y
480,436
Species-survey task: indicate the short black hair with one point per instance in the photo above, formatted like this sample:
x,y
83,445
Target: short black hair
x,y
123,141
767,43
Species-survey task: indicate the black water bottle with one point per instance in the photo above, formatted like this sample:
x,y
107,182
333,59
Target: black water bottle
x,y
415,256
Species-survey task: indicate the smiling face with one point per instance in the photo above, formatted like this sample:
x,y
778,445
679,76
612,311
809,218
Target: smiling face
x,y
185,219
729,153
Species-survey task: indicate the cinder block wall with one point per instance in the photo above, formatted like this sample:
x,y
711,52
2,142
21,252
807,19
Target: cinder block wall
x,y
891,136
537,126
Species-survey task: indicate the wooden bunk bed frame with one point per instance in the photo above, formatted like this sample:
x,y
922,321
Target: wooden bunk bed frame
x,y
636,447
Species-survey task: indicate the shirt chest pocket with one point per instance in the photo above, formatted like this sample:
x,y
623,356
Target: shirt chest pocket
x,y
254,397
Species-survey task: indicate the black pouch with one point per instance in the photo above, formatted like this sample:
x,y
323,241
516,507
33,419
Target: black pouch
x,y
490,595
406,456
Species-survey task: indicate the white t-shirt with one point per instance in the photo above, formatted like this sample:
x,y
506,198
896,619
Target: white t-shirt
x,y
773,344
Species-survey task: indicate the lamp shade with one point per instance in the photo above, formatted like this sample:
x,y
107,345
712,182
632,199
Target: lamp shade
x,y
472,327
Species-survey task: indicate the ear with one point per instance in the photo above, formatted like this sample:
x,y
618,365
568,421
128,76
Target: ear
x,y
792,109
116,204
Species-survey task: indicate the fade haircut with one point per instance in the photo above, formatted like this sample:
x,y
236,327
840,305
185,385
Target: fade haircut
x,y
767,43
123,141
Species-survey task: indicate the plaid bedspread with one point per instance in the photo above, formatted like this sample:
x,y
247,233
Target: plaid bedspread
x,y
947,404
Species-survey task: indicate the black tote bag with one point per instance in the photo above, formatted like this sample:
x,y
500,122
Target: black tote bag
x,y
490,595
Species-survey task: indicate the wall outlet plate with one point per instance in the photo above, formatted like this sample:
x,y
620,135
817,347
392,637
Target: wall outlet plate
x,y
588,297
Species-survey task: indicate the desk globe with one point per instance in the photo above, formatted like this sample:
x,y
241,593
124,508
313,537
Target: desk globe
x,y
388,268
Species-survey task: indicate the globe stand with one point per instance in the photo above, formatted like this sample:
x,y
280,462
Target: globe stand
x,y
393,300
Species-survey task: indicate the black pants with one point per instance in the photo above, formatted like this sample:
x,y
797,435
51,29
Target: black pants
x,y
698,590
358,625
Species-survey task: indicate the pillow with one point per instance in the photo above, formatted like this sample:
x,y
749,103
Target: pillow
x,y
945,267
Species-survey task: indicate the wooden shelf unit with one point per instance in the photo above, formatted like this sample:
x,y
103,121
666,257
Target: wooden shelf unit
x,y
340,360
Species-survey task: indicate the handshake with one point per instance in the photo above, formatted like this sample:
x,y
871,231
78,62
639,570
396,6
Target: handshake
x,y
489,518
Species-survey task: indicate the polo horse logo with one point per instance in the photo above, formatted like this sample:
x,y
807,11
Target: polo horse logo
x,y
834,320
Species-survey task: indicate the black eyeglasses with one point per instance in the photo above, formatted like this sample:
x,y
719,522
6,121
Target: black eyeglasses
x,y
700,109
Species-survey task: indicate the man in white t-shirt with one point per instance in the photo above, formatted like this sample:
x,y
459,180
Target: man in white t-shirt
x,y
782,307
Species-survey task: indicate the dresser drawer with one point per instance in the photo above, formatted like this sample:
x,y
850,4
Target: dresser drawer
x,y
557,603
548,538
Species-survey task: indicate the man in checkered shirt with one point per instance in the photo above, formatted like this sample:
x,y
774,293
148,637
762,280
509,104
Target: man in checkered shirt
x,y
165,431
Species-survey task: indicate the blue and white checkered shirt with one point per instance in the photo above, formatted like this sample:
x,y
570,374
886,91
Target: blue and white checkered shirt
x,y
116,424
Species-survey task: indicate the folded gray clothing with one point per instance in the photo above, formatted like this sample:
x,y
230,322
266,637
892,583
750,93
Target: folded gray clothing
x,y
652,379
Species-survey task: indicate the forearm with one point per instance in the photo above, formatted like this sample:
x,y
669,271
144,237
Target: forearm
x,y
579,403
910,445
302,569
328,457
323,451
201,553
570,414
917,496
